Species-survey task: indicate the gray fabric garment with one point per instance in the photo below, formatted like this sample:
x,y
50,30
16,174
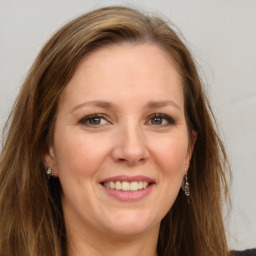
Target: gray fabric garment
x,y
251,252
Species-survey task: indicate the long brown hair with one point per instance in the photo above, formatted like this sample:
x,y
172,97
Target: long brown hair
x,y
30,207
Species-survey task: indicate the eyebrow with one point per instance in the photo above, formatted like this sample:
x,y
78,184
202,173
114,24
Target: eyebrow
x,y
108,105
97,103
160,104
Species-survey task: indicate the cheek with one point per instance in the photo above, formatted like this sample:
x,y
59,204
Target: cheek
x,y
171,154
77,154
170,158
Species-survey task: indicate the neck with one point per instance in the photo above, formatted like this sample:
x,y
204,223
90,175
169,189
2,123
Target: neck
x,y
98,244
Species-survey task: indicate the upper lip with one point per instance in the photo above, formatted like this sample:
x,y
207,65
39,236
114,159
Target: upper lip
x,y
128,178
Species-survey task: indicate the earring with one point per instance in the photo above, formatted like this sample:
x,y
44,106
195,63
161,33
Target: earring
x,y
185,186
49,172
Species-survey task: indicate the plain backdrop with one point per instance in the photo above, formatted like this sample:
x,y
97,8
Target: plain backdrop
x,y
222,37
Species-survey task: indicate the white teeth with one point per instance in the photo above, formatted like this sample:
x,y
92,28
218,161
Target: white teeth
x,y
126,186
118,185
134,186
111,184
144,184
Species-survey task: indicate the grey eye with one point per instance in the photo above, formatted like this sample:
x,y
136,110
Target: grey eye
x,y
160,120
157,121
93,120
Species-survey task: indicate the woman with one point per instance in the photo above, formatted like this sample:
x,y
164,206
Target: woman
x,y
116,150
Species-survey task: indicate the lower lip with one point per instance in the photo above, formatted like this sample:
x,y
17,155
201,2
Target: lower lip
x,y
129,196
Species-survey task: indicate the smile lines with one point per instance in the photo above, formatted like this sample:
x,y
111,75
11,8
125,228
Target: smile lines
x,y
126,186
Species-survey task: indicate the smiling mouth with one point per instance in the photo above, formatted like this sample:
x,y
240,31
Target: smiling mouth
x,y
126,186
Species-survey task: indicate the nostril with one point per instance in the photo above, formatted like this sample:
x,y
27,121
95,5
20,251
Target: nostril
x,y
130,153
132,161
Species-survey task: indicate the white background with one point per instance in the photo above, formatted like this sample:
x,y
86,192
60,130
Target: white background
x,y
222,36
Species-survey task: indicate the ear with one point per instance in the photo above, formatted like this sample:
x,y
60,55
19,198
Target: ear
x,y
49,160
192,142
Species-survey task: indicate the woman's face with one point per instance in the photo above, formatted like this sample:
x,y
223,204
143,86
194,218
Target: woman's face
x,y
121,145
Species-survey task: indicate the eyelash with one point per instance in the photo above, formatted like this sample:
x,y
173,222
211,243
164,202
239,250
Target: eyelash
x,y
100,117
87,119
167,118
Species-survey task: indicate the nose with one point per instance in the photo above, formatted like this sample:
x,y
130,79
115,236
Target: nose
x,y
130,146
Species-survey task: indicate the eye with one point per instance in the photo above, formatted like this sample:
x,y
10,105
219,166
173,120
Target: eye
x,y
94,120
160,120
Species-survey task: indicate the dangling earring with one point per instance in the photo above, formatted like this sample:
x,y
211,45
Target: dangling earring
x,y
185,186
49,172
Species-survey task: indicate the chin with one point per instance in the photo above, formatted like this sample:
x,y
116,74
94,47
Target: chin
x,y
132,224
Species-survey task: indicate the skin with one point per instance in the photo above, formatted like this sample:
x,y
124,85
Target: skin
x,y
128,140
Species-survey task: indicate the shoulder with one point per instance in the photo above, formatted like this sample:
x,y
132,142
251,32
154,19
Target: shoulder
x,y
251,252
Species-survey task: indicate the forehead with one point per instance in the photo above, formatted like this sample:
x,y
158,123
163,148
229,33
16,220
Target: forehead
x,y
125,71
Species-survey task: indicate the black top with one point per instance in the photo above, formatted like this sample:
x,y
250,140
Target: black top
x,y
251,252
